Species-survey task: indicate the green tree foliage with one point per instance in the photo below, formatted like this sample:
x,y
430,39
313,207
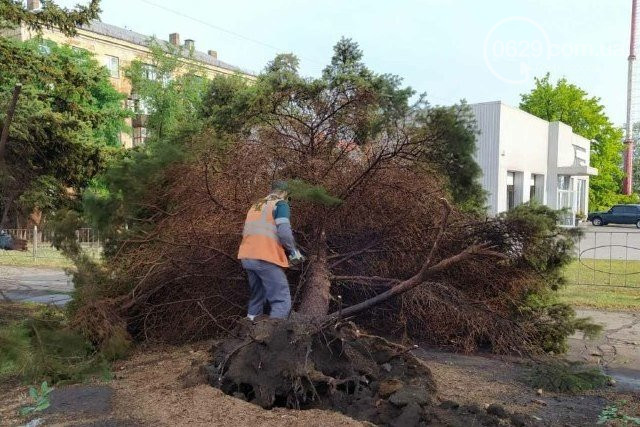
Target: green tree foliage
x,y
169,92
565,377
14,13
229,104
233,103
68,119
41,345
568,103
300,190
455,130
546,249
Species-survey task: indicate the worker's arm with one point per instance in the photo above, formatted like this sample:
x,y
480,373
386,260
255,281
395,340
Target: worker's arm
x,y
282,216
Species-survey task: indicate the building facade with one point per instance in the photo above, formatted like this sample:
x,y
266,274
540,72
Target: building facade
x,y
526,158
115,48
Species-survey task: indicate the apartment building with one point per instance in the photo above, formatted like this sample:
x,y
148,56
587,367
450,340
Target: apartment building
x,y
526,158
116,47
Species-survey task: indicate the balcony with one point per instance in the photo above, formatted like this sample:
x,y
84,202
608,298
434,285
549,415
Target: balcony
x,y
140,121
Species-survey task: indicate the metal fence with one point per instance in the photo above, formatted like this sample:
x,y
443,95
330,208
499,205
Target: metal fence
x,y
609,258
40,249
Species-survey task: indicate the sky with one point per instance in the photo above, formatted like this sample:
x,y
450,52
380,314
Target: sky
x,y
449,49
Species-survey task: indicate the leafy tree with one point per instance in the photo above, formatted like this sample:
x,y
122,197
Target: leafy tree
x,y
229,104
170,89
454,129
68,119
566,102
169,94
14,13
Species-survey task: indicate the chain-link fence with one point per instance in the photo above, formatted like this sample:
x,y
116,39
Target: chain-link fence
x,y
35,247
607,258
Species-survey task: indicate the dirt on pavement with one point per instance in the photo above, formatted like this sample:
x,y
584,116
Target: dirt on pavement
x,y
162,387
151,388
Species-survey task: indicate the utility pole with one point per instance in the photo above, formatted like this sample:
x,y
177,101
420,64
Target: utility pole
x,y
627,184
7,121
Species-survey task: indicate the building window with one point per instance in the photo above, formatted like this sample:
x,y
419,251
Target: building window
x,y
142,107
150,72
138,105
113,65
511,190
536,188
567,199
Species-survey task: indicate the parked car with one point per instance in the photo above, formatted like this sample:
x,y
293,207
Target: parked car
x,y
8,243
618,214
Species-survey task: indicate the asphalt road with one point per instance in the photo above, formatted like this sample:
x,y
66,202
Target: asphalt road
x,y
43,285
618,242
617,349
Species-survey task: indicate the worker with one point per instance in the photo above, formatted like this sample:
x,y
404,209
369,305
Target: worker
x,y
266,236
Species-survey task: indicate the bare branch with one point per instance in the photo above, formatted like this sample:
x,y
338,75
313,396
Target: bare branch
x,y
427,269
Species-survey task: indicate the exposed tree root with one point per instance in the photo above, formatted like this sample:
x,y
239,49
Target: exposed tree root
x,y
300,364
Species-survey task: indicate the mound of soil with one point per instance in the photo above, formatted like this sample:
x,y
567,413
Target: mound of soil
x,y
302,365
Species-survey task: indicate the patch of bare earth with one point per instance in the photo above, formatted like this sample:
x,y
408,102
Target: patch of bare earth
x,y
494,380
161,387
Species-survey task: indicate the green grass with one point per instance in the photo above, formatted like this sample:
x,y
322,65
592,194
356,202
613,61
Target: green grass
x,y
603,284
45,257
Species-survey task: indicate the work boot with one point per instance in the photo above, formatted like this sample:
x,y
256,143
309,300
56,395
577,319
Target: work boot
x,y
261,318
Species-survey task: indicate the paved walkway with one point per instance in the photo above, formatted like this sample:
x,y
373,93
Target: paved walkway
x,y
43,285
617,350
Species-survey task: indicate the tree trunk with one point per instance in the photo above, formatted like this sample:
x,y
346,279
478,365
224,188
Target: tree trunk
x,y
4,136
5,211
317,288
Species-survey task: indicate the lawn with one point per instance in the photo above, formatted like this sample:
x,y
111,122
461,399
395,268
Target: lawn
x,y
613,285
45,257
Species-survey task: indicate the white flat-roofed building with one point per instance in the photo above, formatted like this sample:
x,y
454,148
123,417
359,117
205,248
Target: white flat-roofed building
x,y
526,158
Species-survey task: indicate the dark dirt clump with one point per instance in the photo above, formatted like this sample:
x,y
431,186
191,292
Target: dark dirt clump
x,y
303,365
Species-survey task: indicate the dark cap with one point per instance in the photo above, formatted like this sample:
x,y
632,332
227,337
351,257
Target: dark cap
x,y
280,186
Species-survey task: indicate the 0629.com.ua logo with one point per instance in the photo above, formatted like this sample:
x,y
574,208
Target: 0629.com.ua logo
x,y
514,45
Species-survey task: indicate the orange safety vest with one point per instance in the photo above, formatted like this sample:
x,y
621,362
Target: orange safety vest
x,y
260,238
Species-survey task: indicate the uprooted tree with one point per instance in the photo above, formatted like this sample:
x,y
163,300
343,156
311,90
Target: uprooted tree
x,y
371,174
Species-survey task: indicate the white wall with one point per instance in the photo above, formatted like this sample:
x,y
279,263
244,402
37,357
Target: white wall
x,y
509,140
566,139
523,141
512,140
487,149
